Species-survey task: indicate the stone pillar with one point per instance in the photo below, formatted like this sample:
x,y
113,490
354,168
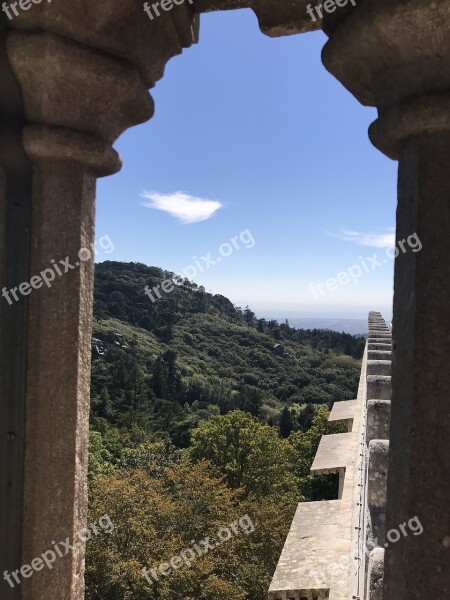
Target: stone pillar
x,y
420,425
394,55
82,82
59,81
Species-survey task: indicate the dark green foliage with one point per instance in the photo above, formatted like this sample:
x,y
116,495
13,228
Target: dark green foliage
x,y
286,423
189,355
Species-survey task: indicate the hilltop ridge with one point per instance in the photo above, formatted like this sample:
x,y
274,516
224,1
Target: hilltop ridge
x,y
192,354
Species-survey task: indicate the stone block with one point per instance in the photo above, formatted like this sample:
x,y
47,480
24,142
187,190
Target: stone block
x,y
379,355
376,333
378,341
378,387
378,420
379,367
377,473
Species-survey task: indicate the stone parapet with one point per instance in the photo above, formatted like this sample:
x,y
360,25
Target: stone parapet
x,y
318,558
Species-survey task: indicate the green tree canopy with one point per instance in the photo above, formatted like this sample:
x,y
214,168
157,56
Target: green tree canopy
x,y
250,455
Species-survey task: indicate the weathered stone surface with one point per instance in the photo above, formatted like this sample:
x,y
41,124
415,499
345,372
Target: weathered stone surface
x,y
117,28
333,454
394,54
375,574
378,387
378,420
410,118
420,421
58,382
60,98
379,367
363,44
379,354
318,555
77,100
344,412
275,18
379,344
377,473
378,334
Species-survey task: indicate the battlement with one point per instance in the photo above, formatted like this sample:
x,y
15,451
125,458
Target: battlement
x,y
334,549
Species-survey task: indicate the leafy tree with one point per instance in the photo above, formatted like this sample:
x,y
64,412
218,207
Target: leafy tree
x,y
249,315
286,423
250,455
306,444
157,517
217,356
100,459
155,457
104,406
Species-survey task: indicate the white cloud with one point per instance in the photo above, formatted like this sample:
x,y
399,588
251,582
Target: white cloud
x,y
385,239
183,207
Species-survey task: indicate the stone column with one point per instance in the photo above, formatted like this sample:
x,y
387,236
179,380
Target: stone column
x,y
395,55
67,139
79,74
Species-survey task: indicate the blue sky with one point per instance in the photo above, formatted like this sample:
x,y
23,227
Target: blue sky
x,y
252,133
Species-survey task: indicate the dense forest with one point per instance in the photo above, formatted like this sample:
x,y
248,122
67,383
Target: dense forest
x,y
201,413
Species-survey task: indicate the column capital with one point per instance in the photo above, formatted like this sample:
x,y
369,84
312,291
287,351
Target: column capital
x,y
47,142
77,101
84,81
413,118
394,55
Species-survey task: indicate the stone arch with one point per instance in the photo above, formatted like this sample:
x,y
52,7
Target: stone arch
x,y
73,59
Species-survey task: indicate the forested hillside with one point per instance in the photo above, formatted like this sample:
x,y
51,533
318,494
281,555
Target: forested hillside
x,y
190,388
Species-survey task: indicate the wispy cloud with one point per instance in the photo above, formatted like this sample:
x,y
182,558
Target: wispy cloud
x,y
383,239
185,208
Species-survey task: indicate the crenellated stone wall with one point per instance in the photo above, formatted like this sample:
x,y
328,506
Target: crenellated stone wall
x,y
379,392
335,548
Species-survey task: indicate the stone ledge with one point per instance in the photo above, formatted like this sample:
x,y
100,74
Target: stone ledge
x,y
316,555
332,455
344,412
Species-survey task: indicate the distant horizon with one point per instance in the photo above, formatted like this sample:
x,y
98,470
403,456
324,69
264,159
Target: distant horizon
x,y
358,326
250,169
277,312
